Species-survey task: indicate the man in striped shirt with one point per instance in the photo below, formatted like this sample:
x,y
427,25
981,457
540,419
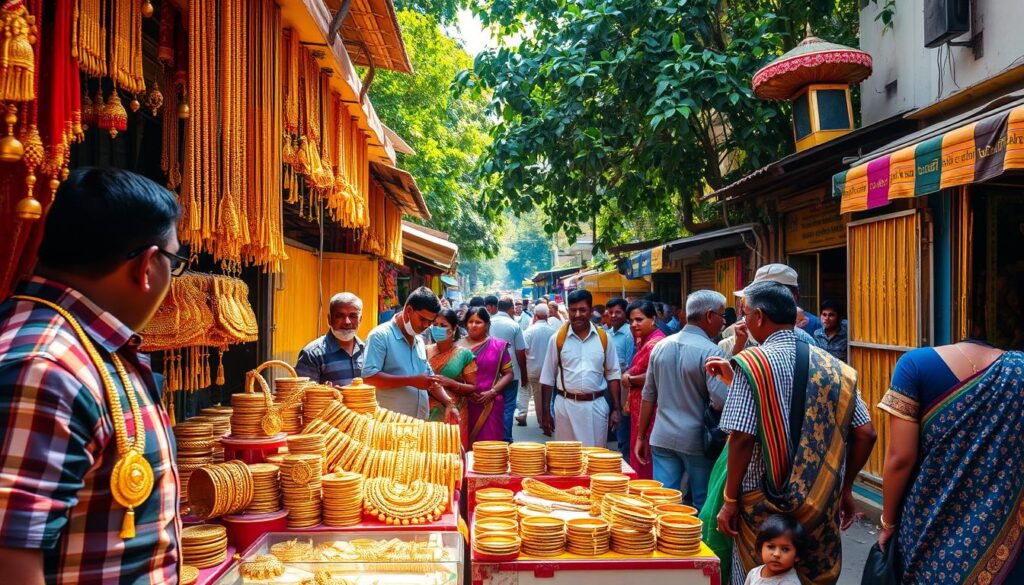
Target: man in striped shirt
x,y
108,254
336,358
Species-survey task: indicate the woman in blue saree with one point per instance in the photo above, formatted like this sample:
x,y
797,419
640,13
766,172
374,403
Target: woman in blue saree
x,y
954,468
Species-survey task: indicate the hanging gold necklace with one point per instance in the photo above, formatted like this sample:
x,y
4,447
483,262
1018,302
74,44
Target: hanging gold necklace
x,y
131,481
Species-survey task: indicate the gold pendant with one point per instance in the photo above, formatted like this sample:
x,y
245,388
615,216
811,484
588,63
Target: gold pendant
x,y
131,482
272,423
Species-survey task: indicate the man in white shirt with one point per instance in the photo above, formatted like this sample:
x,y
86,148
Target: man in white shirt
x,y
524,314
578,373
503,326
537,337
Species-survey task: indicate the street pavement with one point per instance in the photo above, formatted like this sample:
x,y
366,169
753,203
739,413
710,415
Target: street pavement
x,y
857,540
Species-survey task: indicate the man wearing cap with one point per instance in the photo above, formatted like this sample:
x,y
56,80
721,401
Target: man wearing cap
x,y
741,338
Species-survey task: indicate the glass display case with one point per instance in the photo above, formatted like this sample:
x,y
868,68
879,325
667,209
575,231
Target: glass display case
x,y
350,558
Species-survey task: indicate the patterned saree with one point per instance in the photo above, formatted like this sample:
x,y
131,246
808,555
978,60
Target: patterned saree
x,y
963,516
804,482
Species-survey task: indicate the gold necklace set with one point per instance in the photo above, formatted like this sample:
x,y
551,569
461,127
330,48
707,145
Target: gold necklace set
x,y
131,480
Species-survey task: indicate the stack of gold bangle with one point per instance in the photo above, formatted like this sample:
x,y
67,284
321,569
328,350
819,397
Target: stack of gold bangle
x,y
220,489
308,444
343,499
490,457
564,458
317,398
603,461
195,449
639,486
360,397
204,546
301,484
588,536
221,424
247,416
288,399
526,459
662,496
679,535
543,536
602,484
266,493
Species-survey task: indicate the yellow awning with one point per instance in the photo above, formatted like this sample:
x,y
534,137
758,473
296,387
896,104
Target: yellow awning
x,y
613,281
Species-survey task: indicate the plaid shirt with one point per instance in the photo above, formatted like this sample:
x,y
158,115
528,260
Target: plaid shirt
x,y
740,413
58,446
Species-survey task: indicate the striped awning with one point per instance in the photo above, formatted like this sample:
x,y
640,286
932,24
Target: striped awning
x,y
978,150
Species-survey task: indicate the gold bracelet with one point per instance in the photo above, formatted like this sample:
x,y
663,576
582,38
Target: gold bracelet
x,y
727,499
886,525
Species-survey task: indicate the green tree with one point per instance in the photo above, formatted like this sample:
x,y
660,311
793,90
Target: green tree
x,y
526,249
443,10
623,113
448,131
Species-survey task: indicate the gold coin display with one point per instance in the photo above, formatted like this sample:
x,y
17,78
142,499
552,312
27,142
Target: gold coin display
x,y
342,499
588,536
288,396
266,493
360,397
195,444
565,457
204,546
490,457
604,462
189,575
316,399
527,459
301,488
248,410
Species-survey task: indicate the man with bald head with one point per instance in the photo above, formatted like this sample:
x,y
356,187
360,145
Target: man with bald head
x,y
337,357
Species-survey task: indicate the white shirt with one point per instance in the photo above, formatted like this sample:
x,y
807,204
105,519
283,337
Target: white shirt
x,y
788,578
586,366
503,326
554,322
537,338
525,320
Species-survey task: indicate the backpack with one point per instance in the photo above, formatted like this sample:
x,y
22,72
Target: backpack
x,y
560,337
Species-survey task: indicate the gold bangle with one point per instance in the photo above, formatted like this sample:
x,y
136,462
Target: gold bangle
x,y
886,525
727,499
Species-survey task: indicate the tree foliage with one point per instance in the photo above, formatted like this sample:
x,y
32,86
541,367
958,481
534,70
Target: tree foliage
x,y
613,110
448,131
526,249
444,11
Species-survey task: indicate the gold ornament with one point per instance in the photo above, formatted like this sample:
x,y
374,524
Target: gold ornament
x,y
11,149
17,59
183,109
147,9
272,423
154,99
131,482
134,104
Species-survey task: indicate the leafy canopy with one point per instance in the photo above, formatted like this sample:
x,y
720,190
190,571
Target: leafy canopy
x,y
447,131
612,110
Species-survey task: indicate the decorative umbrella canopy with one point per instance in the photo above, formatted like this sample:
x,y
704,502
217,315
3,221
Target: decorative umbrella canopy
x,y
812,61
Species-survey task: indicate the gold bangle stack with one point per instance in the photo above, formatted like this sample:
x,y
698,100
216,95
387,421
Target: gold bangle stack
x,y
526,459
195,449
359,397
343,499
221,489
288,399
266,493
588,537
384,429
602,484
543,536
630,541
418,502
188,575
679,535
316,399
500,545
490,457
662,495
604,462
204,546
261,568
308,444
247,416
632,521
221,424
301,484
494,527
494,494
639,486
565,457
505,510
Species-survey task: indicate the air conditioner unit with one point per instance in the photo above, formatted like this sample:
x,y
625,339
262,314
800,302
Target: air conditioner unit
x,y
945,20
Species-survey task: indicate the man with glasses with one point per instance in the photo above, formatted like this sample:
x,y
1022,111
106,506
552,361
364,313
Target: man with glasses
x,y
395,359
681,390
69,359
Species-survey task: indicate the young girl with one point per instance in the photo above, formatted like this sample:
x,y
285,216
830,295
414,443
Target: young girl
x,y
780,539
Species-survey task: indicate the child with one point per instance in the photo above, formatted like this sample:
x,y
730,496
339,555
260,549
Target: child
x,y
780,539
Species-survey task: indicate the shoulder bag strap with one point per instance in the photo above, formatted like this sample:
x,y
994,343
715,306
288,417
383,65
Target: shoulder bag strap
x,y
798,406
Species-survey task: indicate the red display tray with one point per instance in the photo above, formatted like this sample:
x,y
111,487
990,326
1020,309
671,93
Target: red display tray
x,y
252,450
245,529
475,481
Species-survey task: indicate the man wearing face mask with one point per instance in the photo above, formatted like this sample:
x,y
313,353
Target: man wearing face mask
x,y
396,358
337,357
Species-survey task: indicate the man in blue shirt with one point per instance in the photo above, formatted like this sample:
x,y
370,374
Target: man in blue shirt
x,y
396,359
832,335
336,358
625,347
504,327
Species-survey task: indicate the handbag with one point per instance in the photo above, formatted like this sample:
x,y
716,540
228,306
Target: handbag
x,y
882,567
714,437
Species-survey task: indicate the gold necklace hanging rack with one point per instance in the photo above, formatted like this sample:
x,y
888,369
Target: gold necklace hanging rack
x,y
89,44
126,46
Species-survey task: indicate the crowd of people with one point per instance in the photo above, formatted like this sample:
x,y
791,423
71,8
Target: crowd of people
x,y
79,403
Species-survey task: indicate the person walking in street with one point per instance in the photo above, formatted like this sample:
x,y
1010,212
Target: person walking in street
x,y
503,326
681,390
799,435
952,482
675,320
580,365
337,357
78,402
525,315
832,336
491,304
454,366
647,336
784,275
395,360
493,375
555,316
537,337
625,346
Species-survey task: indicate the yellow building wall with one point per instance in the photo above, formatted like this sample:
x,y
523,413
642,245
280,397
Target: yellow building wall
x,y
298,317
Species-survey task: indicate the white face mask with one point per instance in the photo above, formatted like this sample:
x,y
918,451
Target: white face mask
x,y
409,329
344,334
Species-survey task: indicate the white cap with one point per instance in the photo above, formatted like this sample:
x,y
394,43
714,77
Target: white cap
x,y
779,273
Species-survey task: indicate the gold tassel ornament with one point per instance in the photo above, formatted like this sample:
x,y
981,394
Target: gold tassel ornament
x,y
17,59
11,149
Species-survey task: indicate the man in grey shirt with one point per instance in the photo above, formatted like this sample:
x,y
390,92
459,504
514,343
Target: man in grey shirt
x,y
678,385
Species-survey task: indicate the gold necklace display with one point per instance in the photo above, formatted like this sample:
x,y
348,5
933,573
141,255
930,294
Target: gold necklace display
x,y
126,46
89,46
131,481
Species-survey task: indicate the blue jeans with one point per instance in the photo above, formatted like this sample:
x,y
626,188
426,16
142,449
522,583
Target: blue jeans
x,y
622,436
511,394
670,465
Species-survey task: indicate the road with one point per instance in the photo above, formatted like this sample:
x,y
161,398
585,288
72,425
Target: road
x,y
857,540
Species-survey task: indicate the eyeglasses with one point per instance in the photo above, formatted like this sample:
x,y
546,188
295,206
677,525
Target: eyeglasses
x,y
720,315
179,264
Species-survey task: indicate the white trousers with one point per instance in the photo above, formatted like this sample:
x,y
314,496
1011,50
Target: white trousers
x,y
586,422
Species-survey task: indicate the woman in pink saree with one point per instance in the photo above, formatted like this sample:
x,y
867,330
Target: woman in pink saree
x,y
493,374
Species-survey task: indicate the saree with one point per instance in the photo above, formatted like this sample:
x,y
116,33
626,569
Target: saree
x,y
456,363
638,367
486,421
962,520
808,486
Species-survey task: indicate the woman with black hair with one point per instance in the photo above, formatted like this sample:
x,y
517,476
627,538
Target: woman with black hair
x,y
453,364
493,374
